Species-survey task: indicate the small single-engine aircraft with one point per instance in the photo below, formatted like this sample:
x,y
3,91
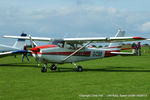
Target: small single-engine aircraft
x,y
17,48
72,50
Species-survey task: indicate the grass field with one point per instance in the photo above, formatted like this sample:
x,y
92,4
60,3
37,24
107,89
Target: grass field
x,y
106,79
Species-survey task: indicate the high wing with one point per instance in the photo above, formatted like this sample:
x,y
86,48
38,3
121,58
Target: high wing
x,y
103,39
81,40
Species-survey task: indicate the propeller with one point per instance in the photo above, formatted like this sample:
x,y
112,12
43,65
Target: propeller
x,y
34,49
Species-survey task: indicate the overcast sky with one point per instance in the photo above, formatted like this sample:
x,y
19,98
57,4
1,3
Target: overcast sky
x,y
74,18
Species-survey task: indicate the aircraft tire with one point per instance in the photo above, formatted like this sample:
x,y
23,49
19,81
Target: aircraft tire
x,y
79,69
53,67
43,69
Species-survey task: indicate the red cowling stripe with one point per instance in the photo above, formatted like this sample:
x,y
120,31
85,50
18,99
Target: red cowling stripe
x,y
46,46
37,49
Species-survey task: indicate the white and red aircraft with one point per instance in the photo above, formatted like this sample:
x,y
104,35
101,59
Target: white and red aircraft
x,y
17,48
72,50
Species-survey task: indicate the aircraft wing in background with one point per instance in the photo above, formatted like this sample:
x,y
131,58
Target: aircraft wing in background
x,y
4,54
28,38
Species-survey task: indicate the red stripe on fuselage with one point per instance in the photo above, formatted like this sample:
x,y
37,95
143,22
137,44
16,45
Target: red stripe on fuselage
x,y
87,53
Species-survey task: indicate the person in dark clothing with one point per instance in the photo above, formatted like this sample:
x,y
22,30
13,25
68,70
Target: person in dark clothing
x,y
134,48
139,48
25,54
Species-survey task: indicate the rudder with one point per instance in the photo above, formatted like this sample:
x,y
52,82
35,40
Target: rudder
x,y
20,42
117,44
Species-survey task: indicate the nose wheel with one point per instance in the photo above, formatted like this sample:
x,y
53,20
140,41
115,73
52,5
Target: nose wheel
x,y
44,69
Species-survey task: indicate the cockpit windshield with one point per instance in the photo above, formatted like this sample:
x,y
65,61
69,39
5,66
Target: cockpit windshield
x,y
68,45
59,43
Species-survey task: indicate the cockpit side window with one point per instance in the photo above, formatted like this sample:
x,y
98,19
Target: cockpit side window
x,y
73,46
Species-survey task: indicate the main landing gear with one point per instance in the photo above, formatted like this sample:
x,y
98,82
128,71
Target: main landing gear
x,y
52,67
79,68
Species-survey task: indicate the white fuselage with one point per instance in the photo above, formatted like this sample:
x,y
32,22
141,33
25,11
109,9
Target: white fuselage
x,y
57,55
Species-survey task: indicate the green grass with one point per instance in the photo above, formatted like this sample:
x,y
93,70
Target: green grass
x,y
115,75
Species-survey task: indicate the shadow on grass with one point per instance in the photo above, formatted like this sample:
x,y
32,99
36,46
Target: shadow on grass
x,y
63,69
117,70
108,69
17,65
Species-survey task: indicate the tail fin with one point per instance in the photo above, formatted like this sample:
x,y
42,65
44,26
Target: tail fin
x,y
118,44
20,42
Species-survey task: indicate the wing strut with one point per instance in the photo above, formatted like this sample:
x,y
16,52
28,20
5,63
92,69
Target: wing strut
x,y
77,51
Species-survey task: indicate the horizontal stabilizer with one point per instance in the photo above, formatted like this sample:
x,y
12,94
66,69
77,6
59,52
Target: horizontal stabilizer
x,y
148,39
123,53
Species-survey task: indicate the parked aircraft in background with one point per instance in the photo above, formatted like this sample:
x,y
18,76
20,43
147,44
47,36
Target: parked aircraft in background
x,y
17,48
72,50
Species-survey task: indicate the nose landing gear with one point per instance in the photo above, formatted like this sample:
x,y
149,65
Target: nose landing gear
x,y
44,69
52,67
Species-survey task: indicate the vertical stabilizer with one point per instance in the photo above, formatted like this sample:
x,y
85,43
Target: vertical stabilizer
x,y
117,44
20,42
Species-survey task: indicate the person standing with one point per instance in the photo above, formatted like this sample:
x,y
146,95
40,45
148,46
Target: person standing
x,y
134,48
139,48
25,54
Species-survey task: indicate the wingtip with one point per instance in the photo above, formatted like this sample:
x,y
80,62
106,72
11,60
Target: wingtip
x,y
139,38
4,36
